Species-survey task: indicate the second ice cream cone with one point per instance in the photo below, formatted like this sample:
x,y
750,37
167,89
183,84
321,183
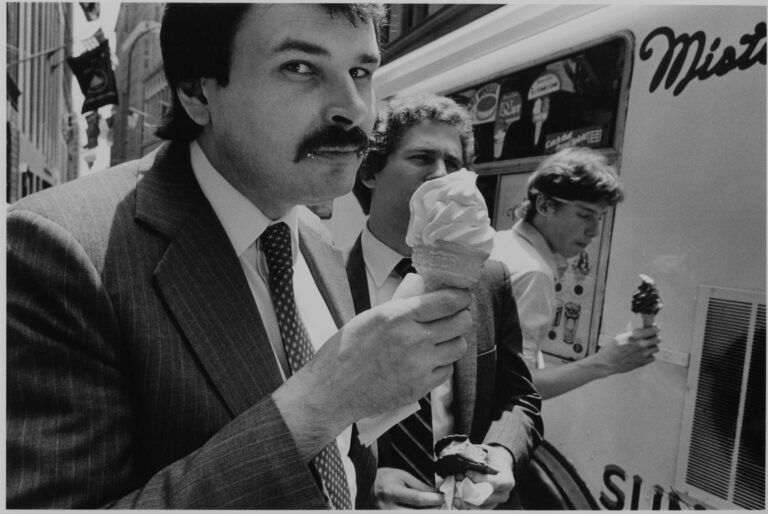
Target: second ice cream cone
x,y
648,320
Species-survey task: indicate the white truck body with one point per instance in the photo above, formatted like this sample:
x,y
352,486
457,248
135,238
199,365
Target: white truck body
x,y
693,162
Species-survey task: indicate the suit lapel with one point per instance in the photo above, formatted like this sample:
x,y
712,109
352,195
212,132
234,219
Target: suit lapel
x,y
203,284
358,280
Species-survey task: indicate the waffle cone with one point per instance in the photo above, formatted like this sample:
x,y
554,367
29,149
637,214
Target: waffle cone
x,y
648,320
448,265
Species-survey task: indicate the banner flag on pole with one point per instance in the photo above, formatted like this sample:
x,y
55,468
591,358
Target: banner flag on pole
x,y
99,36
133,120
89,159
92,131
94,73
91,10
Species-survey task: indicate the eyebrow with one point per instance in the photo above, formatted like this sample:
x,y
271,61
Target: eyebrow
x,y
313,49
458,159
590,209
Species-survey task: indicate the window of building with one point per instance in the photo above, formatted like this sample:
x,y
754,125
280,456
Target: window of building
x,y
27,183
411,26
8,161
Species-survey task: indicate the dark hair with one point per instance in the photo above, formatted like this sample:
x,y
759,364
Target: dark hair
x,y
196,41
575,173
394,121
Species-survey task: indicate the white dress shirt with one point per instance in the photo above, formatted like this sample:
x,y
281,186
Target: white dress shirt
x,y
380,261
244,223
533,269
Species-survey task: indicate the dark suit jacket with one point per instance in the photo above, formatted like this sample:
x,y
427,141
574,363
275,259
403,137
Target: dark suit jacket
x,y
494,398
139,372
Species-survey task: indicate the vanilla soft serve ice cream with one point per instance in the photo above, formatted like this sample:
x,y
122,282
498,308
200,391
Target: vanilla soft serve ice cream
x,y
450,231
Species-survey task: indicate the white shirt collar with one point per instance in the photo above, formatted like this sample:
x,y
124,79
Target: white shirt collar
x,y
242,220
379,258
528,232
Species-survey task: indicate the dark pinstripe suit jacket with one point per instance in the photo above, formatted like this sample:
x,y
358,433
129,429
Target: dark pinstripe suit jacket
x,y
139,372
494,397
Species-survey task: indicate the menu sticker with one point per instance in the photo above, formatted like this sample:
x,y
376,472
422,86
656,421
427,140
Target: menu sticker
x,y
546,84
589,136
540,115
485,103
510,109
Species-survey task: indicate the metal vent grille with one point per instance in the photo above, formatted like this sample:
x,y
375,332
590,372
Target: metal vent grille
x,y
750,469
722,459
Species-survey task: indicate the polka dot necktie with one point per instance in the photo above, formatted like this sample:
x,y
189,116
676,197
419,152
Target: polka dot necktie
x,y
411,439
276,244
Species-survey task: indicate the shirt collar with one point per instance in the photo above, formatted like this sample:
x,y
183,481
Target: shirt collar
x,y
379,258
528,232
232,208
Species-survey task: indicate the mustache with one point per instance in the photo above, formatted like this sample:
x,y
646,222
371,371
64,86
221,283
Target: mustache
x,y
329,137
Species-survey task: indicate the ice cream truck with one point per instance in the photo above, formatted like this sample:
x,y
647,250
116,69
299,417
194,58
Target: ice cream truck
x,y
675,96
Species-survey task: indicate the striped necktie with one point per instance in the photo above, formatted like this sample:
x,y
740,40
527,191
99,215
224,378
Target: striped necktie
x,y
276,244
411,439
404,267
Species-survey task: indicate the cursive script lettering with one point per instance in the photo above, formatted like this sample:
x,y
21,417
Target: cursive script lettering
x,y
678,48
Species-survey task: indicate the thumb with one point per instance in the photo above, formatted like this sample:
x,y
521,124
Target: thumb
x,y
414,483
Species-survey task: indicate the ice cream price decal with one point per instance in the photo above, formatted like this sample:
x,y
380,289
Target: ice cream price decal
x,y
510,110
544,85
590,136
483,105
510,106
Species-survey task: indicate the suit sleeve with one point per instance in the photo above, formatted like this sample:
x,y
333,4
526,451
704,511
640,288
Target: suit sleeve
x,y
71,409
517,421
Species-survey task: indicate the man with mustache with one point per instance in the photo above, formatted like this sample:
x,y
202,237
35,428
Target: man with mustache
x,y
567,197
177,337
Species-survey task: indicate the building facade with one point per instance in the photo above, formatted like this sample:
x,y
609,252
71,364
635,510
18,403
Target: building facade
x,y
41,127
411,26
140,81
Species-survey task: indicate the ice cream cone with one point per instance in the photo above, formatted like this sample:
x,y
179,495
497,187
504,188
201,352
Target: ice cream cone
x,y
449,231
646,300
648,320
446,264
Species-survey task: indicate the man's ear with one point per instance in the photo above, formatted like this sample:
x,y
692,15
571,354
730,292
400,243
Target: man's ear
x,y
192,98
544,205
367,176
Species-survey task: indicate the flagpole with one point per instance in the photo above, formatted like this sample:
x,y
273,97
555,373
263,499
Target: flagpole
x,y
45,52
36,55
142,113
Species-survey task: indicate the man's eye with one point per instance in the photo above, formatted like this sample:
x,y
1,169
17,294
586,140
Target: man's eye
x,y
592,218
360,73
300,68
453,166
